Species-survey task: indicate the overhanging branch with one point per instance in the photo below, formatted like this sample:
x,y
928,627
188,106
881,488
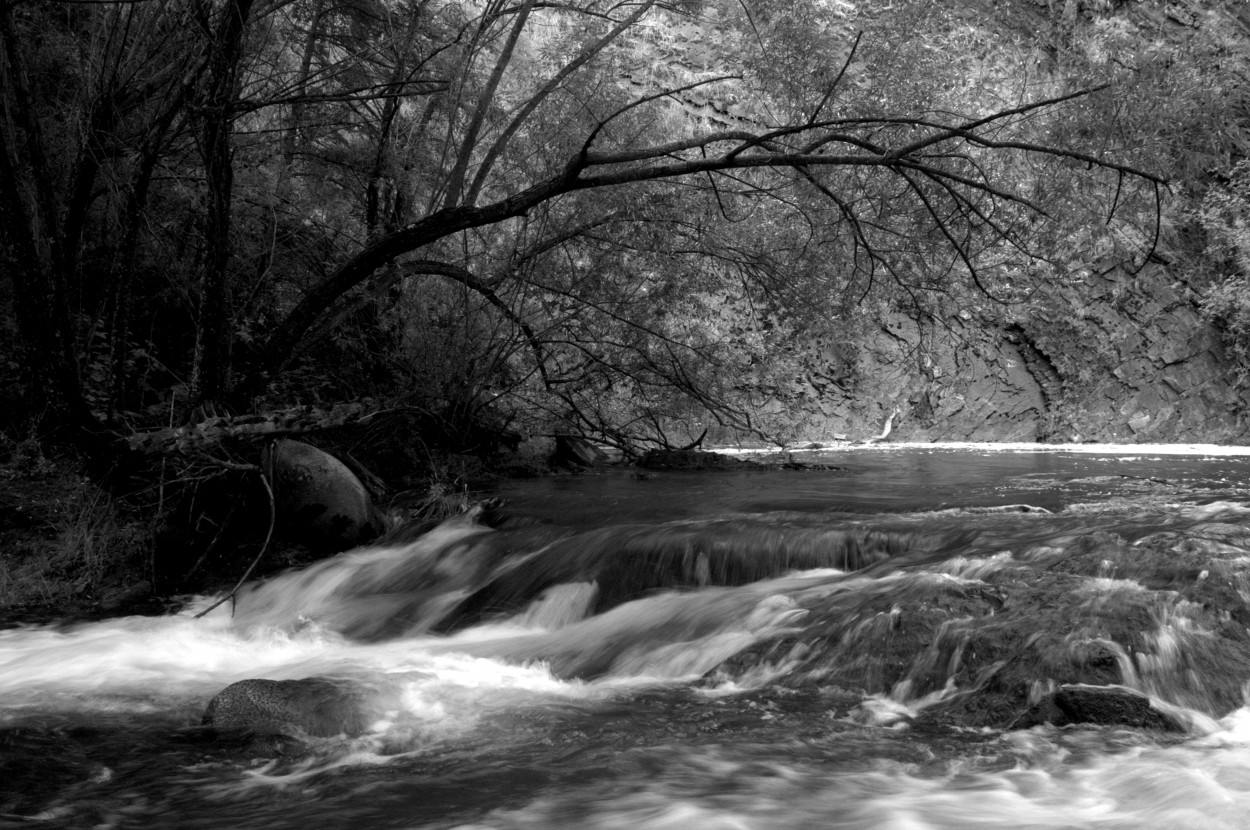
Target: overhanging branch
x,y
858,146
466,278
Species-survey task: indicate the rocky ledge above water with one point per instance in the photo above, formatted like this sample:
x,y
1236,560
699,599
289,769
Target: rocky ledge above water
x,y
1115,356
1080,632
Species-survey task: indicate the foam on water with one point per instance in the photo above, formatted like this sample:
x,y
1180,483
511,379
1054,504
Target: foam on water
x,y
1122,451
136,663
1203,784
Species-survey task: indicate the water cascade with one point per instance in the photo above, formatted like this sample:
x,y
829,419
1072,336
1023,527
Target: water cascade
x,y
922,638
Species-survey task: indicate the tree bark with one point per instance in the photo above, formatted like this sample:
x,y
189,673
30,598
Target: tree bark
x,y
211,433
210,378
30,212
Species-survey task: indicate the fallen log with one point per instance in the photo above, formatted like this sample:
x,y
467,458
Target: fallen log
x,y
213,431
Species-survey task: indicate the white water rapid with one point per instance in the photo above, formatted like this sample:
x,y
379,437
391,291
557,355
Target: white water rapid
x,y
874,646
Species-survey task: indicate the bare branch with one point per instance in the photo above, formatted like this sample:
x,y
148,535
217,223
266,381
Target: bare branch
x,y
833,87
466,278
591,169
456,180
526,110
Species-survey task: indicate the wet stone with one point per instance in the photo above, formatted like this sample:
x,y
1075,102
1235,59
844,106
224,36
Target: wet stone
x,y
689,460
1097,705
311,707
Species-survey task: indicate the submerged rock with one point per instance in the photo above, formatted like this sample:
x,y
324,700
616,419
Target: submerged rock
x,y
1098,705
689,460
313,707
1095,617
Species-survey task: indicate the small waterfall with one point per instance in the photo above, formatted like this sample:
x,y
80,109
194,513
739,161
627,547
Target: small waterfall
x,y
910,614
979,639
379,592
950,616
463,573
560,605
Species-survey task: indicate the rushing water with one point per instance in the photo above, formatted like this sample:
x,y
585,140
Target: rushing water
x,y
753,649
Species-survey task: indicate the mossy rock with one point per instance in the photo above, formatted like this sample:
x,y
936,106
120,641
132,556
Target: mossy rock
x,y
313,707
320,502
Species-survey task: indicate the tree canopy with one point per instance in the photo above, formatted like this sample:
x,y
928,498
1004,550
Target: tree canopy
x,y
606,214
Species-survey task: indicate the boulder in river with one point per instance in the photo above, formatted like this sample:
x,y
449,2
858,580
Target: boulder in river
x,y
313,707
1098,705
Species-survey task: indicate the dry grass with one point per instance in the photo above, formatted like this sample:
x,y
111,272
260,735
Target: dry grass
x,y
63,541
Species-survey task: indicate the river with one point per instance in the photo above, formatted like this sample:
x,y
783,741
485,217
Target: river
x,y
872,645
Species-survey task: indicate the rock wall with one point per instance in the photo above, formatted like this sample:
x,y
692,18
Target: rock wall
x,y
950,382
1110,357
1157,370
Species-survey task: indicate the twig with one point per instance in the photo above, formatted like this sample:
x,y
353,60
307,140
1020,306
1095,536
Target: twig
x,y
273,515
212,545
225,464
160,502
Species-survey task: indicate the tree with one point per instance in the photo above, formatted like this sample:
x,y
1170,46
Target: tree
x,y
896,189
598,174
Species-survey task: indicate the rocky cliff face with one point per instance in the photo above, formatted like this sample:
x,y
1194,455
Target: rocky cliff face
x,y
1115,357
1157,369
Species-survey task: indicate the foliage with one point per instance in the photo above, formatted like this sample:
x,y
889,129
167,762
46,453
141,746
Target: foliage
x,y
629,220
66,542
1225,216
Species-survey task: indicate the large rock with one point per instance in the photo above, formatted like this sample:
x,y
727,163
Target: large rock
x,y
1100,706
314,707
572,451
320,501
1114,354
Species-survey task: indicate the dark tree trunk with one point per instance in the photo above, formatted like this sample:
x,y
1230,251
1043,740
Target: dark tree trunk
x,y
37,258
213,336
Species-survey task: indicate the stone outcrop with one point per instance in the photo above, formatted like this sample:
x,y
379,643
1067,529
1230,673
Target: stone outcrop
x,y
1099,706
1113,356
1140,362
964,380
1043,372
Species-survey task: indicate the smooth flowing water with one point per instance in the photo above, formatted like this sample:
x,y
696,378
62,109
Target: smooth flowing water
x,y
864,647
